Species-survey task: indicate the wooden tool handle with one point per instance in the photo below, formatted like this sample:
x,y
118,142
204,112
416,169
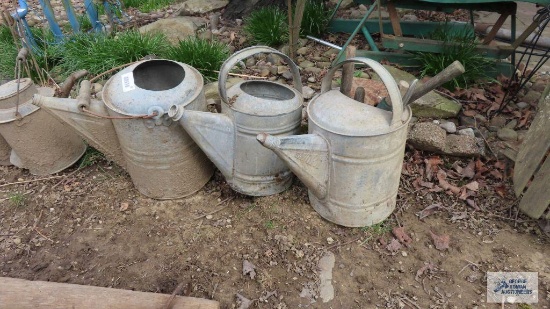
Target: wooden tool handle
x,y
450,72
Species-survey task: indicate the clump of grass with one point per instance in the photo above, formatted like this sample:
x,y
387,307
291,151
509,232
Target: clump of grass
x,y
204,55
17,199
458,45
315,19
268,25
147,5
91,157
99,52
378,229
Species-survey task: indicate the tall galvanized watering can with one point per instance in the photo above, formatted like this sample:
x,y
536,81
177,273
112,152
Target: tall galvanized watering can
x,y
249,107
352,157
131,125
32,138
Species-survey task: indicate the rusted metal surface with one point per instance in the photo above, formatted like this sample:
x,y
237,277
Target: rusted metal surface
x,y
352,157
131,124
248,108
38,141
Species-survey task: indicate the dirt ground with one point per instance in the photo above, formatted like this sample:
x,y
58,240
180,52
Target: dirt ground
x,y
91,227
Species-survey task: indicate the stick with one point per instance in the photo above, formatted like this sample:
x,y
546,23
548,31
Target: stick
x,y
178,290
29,181
450,72
112,70
38,231
243,75
347,72
343,244
68,84
217,210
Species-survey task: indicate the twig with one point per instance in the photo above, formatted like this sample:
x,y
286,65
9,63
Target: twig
x,y
242,75
178,290
217,210
38,231
342,244
29,181
69,82
411,302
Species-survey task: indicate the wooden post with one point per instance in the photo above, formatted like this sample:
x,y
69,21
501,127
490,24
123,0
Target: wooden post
x,y
394,18
348,70
24,294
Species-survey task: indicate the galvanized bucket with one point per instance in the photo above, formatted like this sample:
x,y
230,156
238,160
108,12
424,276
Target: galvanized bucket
x,y
351,159
249,107
39,142
161,158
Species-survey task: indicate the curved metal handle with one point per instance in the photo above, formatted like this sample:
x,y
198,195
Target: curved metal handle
x,y
247,52
387,79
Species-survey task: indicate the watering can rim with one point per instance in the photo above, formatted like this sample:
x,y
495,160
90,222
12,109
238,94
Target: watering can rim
x,y
189,71
25,84
8,115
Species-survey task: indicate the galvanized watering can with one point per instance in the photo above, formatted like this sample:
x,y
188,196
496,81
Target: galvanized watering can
x,y
352,157
249,108
31,138
132,128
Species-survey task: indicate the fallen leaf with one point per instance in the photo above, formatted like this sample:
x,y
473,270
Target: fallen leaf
x,y
124,206
523,120
441,176
469,171
429,210
500,165
474,186
440,242
472,204
245,303
459,216
427,267
432,166
248,269
501,190
470,113
399,232
498,175
394,245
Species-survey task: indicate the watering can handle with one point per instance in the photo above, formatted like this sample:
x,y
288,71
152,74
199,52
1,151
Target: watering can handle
x,y
387,79
247,52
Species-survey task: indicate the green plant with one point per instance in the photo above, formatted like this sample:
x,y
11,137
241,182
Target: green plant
x,y
204,55
98,52
377,229
459,45
270,224
17,199
268,26
147,5
315,19
90,158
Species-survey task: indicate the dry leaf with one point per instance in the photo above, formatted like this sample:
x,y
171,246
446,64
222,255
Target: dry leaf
x,y
432,166
472,204
501,190
124,206
498,175
470,113
469,171
248,269
394,245
441,176
245,303
429,211
427,267
440,242
474,186
399,232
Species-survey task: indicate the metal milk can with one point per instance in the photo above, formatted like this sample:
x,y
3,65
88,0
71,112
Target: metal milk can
x,y
38,141
249,107
351,159
132,125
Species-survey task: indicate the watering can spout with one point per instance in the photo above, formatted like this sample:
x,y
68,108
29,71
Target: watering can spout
x,y
89,118
213,133
305,155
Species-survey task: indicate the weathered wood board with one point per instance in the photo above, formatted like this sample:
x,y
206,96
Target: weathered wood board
x,y
25,294
529,162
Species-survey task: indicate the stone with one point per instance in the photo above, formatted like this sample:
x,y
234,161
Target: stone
x,y
96,87
306,64
507,134
311,79
383,15
273,59
313,70
195,7
409,17
512,124
330,52
250,62
175,29
325,265
287,75
532,96
522,105
355,14
307,92
480,118
428,136
521,135
499,121
432,105
302,50
539,86
323,64
466,121
264,72
17,240
464,146
467,132
448,126
211,89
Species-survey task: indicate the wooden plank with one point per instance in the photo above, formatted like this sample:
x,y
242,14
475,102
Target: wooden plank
x,y
394,18
409,28
347,72
434,46
535,145
24,294
491,35
537,198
